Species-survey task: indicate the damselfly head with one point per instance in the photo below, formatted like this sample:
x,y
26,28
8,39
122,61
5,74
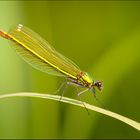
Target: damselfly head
x,y
98,84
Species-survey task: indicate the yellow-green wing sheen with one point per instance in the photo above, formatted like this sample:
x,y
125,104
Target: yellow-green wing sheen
x,y
39,53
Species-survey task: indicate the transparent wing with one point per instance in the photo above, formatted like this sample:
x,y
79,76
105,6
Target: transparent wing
x,y
40,54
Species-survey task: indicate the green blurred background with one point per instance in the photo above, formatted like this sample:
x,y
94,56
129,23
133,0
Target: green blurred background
x,y
102,38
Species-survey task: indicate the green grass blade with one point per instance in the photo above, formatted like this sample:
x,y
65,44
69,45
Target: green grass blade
x,y
126,120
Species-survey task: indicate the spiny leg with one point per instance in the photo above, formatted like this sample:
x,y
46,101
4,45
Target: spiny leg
x,y
82,92
60,88
95,97
71,83
81,99
77,85
66,85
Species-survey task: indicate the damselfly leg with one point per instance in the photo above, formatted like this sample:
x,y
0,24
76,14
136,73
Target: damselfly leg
x,y
61,86
101,103
77,85
80,98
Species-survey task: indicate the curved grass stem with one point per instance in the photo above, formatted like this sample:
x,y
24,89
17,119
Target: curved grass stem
x,y
126,120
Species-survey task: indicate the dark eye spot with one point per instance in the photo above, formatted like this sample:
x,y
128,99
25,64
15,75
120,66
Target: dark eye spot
x,y
98,84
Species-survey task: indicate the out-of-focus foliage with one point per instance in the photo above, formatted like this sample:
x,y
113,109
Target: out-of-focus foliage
x,y
102,38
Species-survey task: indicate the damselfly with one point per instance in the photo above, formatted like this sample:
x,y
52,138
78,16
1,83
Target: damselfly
x,y
41,55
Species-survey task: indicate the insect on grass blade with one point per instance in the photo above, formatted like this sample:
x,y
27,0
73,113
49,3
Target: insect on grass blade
x,y
41,55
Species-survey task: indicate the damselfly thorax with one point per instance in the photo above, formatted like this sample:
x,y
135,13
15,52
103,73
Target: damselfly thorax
x,y
84,80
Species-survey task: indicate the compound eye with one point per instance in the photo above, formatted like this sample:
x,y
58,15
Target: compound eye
x,y
98,84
